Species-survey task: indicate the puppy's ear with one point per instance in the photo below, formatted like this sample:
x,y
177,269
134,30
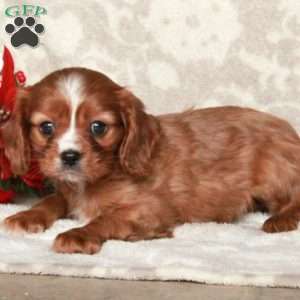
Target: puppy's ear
x,y
15,135
142,132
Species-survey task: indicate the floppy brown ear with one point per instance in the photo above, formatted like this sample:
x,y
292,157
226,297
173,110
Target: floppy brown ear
x,y
14,133
142,132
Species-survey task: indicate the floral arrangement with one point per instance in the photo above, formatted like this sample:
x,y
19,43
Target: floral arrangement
x,y
10,185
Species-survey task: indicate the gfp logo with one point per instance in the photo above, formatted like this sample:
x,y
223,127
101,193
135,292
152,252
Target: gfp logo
x,y
24,29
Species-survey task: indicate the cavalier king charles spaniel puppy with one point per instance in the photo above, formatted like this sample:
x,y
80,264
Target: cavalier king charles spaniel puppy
x,y
133,176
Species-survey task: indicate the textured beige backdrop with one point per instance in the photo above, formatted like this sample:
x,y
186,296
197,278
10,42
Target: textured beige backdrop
x,y
178,53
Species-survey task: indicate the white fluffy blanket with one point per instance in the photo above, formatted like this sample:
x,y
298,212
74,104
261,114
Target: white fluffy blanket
x,y
212,253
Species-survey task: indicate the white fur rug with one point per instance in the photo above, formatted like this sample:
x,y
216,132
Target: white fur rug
x,y
238,254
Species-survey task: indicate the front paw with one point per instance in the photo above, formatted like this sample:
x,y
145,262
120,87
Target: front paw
x,y
280,223
77,241
26,221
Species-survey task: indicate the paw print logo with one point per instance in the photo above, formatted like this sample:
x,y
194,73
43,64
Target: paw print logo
x,y
24,31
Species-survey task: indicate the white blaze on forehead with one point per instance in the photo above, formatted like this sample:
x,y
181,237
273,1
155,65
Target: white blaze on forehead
x,y
71,87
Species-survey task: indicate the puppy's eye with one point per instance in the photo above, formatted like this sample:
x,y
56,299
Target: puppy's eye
x,y
98,128
47,128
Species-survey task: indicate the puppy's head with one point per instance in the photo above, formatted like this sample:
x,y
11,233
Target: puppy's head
x,y
80,126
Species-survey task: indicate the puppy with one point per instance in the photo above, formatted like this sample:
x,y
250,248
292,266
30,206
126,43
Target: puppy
x,y
132,176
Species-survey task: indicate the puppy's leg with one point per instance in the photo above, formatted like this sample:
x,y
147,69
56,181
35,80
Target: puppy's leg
x,y
287,217
38,218
89,239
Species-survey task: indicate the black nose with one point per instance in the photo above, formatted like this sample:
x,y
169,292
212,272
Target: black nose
x,y
70,157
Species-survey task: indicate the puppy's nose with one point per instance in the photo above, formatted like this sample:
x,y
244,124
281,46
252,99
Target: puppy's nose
x,y
70,157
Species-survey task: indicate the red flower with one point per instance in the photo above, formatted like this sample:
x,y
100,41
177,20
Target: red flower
x,y
8,84
6,196
20,77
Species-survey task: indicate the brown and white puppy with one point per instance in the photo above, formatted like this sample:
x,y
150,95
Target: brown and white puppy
x,y
133,176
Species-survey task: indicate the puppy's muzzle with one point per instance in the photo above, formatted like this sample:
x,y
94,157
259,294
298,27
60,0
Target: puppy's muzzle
x,y
70,158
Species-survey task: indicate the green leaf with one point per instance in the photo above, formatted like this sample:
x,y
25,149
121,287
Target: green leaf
x,y
19,186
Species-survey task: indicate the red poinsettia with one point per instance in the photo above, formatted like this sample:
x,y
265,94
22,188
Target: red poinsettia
x,y
9,183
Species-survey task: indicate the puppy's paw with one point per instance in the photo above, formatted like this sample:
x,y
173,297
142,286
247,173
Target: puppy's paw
x,y
76,241
280,223
26,221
